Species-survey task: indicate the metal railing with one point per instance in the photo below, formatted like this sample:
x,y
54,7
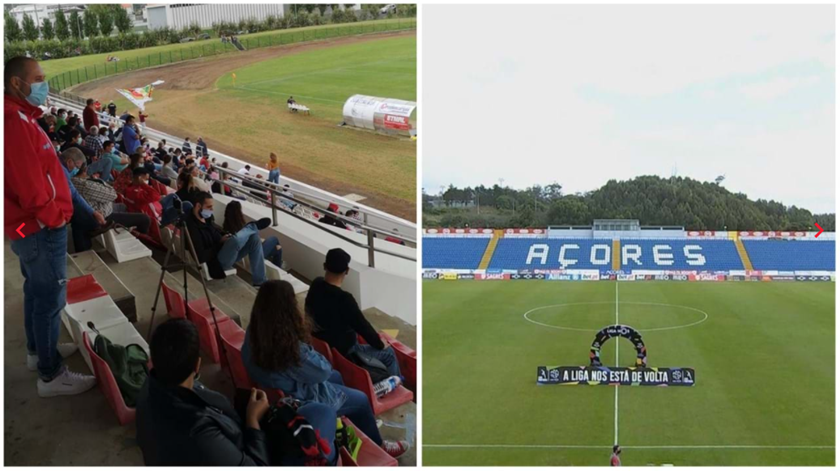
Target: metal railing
x,y
275,195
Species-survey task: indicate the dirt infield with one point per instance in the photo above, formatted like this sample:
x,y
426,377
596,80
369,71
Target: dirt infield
x,y
190,88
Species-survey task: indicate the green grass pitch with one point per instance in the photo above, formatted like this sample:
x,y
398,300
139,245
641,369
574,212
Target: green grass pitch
x,y
764,360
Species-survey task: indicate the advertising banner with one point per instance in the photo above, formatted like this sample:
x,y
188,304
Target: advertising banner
x,y
623,277
430,275
784,278
448,276
610,376
492,276
466,276
386,115
662,277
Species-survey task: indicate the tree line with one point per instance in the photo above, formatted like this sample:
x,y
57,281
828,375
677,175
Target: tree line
x,y
97,20
653,200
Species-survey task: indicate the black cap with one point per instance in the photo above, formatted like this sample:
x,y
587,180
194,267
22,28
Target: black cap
x,y
338,261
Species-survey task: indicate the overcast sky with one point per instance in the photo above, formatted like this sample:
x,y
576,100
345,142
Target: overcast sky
x,y
583,94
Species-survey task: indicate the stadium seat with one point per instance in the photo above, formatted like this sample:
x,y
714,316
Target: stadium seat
x,y
174,303
233,337
455,253
370,454
205,272
199,314
717,255
83,288
358,378
407,359
323,348
108,384
791,255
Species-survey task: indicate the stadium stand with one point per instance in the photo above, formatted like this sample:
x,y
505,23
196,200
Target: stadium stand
x,y
461,253
791,254
513,254
135,269
705,255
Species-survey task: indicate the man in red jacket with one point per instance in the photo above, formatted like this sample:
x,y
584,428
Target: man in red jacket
x,y
89,115
38,205
140,197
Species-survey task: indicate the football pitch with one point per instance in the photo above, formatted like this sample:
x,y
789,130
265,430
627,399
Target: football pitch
x,y
763,354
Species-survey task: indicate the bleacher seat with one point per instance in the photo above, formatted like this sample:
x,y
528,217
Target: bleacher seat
x,y
108,384
407,359
791,255
455,253
323,348
198,313
357,377
709,255
370,454
123,246
512,254
233,337
273,272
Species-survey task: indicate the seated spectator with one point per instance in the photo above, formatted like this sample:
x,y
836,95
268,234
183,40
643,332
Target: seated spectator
x,y
102,197
246,170
180,422
86,222
118,162
125,177
277,354
186,147
112,108
329,218
62,118
168,170
198,179
336,317
221,251
47,123
140,197
204,163
287,192
74,139
92,141
235,221
187,191
103,134
64,131
395,240
201,148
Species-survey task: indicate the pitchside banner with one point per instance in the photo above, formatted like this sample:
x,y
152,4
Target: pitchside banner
x,y
606,376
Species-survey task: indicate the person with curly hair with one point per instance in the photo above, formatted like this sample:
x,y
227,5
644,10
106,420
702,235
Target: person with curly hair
x,y
277,355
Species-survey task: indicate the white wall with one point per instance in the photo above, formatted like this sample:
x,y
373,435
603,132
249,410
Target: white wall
x,y
205,15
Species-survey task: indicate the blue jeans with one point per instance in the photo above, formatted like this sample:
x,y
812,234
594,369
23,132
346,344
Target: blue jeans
x,y
386,356
271,252
274,176
102,166
245,242
322,417
357,408
43,263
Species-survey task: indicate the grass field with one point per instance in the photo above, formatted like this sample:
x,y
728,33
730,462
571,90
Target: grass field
x,y
764,360
58,66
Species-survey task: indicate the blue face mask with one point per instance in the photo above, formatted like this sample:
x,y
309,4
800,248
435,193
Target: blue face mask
x,y
206,213
74,172
38,93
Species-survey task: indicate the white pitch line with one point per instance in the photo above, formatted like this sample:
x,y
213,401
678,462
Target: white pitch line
x,y
642,447
615,442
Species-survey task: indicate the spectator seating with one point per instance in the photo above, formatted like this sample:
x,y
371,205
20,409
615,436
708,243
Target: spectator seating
x,y
455,253
791,255
715,255
233,337
88,303
407,359
273,272
323,348
370,454
108,384
512,254
199,314
358,378
123,246
298,107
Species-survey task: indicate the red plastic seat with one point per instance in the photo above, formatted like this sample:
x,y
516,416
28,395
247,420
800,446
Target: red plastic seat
x,y
370,454
174,303
83,288
108,385
323,348
199,314
233,338
358,378
406,358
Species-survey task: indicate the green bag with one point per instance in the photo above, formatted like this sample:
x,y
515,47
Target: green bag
x,y
345,436
129,366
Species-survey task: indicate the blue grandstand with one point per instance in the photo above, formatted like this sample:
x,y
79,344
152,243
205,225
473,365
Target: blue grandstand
x,y
546,254
675,254
455,253
790,255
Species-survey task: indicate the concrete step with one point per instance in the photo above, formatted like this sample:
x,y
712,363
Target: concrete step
x,y
89,262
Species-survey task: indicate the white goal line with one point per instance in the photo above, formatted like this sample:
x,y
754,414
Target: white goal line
x,y
641,447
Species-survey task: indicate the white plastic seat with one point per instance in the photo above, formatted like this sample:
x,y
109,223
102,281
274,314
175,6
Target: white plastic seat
x,y
124,246
102,311
205,272
121,334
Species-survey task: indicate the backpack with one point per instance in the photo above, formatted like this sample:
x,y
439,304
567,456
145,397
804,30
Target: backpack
x,y
291,435
378,371
128,364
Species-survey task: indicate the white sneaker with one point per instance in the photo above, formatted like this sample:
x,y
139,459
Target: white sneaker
x,y
66,384
395,449
65,349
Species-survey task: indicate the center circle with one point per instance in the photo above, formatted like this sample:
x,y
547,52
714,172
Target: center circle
x,y
603,313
